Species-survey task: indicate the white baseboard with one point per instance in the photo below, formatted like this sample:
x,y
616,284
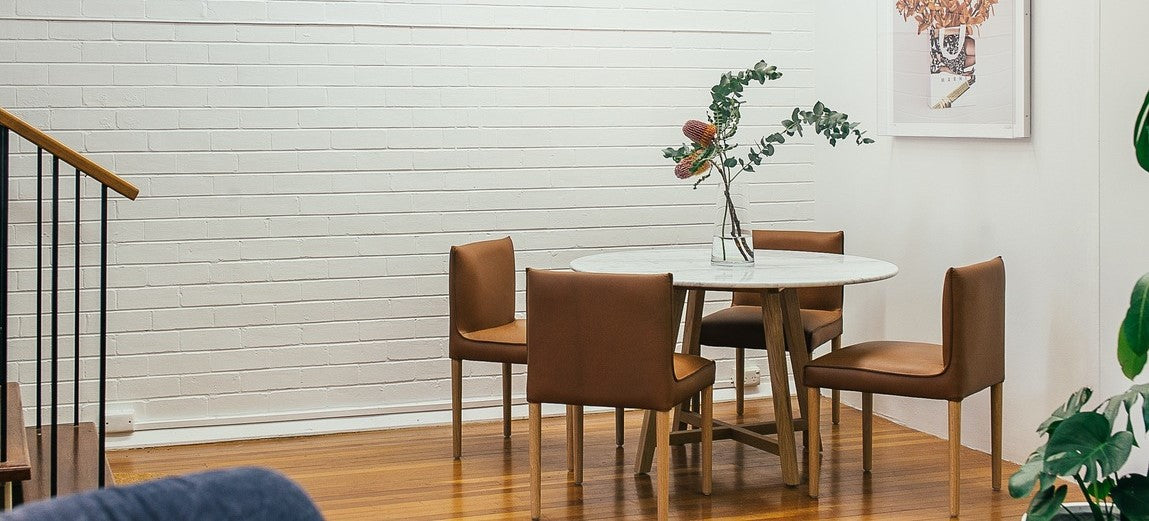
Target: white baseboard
x,y
180,432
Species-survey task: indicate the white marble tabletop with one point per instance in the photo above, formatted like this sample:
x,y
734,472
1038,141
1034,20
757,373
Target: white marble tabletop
x,y
691,268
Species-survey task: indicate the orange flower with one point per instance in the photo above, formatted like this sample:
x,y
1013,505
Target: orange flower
x,y
683,169
699,132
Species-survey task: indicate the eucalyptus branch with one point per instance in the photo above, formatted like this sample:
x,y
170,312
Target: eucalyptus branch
x,y
711,145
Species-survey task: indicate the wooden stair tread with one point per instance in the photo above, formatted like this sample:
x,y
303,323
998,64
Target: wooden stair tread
x,y
76,453
17,466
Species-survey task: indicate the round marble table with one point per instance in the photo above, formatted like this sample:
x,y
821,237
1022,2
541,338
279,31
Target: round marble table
x,y
776,274
777,269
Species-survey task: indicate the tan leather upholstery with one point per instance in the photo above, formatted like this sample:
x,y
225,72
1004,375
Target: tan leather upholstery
x,y
828,298
740,325
970,358
607,340
481,288
482,304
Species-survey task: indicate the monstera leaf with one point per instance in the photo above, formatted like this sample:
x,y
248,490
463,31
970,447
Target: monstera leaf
x,y
1133,338
1072,406
1022,481
1084,440
1131,495
1141,135
1046,503
1126,401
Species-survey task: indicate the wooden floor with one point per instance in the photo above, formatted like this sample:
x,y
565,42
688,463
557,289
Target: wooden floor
x,y
409,474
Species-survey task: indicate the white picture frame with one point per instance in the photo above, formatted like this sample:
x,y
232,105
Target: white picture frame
x,y
993,103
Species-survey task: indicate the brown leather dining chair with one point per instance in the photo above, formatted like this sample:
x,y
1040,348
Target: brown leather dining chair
x,y
970,358
740,325
608,340
483,326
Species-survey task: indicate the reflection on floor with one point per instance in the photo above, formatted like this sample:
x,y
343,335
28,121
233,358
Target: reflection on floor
x,y
409,474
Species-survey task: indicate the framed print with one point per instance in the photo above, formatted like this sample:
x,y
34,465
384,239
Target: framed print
x,y
954,68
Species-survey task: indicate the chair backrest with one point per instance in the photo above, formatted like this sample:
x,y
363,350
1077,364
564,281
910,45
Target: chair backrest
x,y
827,298
600,339
481,285
973,326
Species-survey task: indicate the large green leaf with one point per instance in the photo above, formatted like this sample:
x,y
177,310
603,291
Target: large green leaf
x,y
1131,495
1083,440
1141,135
1021,482
1072,406
1125,401
1046,503
1133,338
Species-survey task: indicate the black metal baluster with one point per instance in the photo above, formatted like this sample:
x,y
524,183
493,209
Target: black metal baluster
x,y
76,317
39,288
103,325
4,293
55,323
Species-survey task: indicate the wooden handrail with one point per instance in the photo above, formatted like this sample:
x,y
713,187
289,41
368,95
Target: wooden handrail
x,y
62,151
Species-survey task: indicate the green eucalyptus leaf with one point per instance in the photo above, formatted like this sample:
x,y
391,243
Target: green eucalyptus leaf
x,y
1141,135
1083,440
1072,406
1131,496
818,108
730,162
1022,481
1133,338
1046,503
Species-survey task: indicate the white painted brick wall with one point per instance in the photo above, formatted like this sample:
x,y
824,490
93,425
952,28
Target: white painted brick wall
x,y
305,166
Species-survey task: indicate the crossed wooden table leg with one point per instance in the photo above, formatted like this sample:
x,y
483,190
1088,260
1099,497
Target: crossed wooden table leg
x,y
783,326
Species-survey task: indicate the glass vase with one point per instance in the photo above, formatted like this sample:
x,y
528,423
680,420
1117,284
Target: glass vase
x,y
732,243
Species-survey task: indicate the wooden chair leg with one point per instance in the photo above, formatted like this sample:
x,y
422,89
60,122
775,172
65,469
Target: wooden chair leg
x,y
995,426
867,431
707,409
506,400
570,438
662,458
955,457
812,425
619,429
457,407
536,454
739,381
835,395
578,444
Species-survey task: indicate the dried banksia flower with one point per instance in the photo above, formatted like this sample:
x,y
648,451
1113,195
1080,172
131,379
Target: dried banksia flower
x,y
684,170
699,132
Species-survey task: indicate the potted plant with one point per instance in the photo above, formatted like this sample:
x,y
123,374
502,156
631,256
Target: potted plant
x,y
712,147
1090,445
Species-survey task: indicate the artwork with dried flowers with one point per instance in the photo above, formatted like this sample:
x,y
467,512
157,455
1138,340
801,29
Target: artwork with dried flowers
x,y
956,68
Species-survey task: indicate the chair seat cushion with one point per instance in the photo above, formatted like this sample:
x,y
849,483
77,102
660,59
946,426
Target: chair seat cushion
x,y
741,326
691,374
506,343
883,367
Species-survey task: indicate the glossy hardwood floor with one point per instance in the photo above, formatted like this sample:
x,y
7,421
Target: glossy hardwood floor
x,y
409,474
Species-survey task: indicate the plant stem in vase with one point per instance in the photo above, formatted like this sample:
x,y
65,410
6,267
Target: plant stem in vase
x,y
731,244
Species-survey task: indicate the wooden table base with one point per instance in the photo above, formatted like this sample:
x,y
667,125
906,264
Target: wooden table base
x,y
782,324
